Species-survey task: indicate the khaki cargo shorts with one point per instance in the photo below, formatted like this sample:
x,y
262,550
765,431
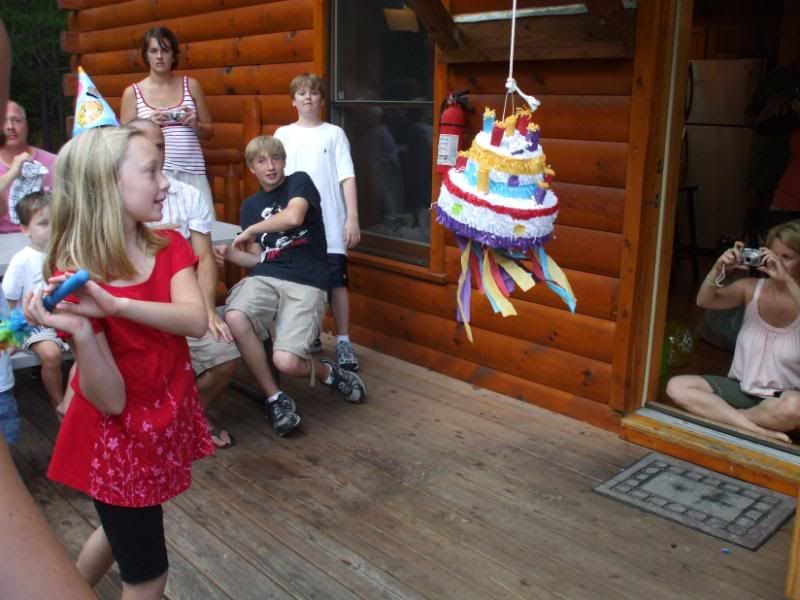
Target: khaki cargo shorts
x,y
296,310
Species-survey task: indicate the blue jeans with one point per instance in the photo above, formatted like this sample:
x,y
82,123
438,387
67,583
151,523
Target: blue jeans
x,y
9,417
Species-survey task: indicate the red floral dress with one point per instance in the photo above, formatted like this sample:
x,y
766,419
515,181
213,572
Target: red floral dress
x,y
143,456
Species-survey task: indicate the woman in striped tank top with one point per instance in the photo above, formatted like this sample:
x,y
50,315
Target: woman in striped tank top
x,y
174,103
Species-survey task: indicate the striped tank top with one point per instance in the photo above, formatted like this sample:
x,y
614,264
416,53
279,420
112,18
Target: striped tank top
x,y
181,147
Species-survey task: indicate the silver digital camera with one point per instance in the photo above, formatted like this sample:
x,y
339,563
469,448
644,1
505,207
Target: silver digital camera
x,y
750,257
174,115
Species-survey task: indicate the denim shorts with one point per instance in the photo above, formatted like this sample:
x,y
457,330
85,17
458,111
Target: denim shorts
x,y
9,417
337,268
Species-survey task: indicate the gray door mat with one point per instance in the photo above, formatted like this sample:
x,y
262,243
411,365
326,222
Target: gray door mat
x,y
732,510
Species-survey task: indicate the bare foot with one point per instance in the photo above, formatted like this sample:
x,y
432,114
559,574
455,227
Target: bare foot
x,y
770,433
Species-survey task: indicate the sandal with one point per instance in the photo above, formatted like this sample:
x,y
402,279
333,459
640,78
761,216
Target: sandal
x,y
217,433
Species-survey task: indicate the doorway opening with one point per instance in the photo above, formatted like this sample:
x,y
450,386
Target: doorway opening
x,y
744,63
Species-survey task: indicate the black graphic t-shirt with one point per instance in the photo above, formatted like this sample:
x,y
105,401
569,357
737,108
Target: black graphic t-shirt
x,y
299,254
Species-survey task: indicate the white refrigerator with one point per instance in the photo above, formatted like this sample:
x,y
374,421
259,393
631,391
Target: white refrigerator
x,y
716,148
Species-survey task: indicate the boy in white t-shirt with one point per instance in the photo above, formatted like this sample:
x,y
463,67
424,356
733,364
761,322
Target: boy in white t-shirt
x,y
322,150
24,275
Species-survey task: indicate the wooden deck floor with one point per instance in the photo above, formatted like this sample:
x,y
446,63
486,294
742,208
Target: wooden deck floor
x,y
433,489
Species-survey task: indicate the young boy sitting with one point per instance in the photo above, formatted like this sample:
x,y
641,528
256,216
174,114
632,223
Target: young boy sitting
x,y
24,274
322,150
283,245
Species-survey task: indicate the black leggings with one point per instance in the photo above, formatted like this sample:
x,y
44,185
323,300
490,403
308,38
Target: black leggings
x,y
137,540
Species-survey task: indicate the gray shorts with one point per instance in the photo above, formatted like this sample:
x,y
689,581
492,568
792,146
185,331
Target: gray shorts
x,y
208,353
44,334
729,390
296,310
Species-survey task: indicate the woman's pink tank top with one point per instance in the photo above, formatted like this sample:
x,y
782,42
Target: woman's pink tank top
x,y
767,358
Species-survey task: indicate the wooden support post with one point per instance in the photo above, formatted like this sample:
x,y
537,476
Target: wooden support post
x,y
230,214
793,572
251,122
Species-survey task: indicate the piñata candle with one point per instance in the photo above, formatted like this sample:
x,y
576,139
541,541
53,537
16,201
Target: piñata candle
x,y
523,118
532,136
497,134
488,119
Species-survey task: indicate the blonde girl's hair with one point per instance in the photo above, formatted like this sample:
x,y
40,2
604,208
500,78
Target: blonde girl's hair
x,y
86,212
787,233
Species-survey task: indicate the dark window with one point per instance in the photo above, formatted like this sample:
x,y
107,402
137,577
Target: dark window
x,y
382,96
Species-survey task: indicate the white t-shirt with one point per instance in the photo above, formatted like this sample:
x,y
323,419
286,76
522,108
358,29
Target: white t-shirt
x,y
324,153
186,208
24,274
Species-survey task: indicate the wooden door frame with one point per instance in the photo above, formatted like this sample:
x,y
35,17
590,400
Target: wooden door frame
x,y
662,41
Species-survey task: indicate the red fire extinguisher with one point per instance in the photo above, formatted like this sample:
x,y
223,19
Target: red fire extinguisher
x,y
452,120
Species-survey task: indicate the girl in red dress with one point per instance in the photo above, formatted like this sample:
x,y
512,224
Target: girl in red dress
x,y
135,423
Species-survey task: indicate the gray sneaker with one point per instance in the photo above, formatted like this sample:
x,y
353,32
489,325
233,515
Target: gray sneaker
x,y
345,355
346,383
283,414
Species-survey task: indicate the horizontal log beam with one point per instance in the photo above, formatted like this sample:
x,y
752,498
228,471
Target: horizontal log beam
x,y
134,12
590,163
547,366
579,77
255,80
567,117
268,48
586,250
596,294
590,206
577,334
284,15
543,38
481,376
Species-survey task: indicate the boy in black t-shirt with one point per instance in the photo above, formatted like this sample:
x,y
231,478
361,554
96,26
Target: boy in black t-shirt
x,y
283,244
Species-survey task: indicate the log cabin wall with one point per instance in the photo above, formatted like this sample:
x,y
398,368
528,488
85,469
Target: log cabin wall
x,y
243,53
544,355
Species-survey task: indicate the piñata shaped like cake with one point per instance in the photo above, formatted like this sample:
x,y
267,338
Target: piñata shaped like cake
x,y
499,192
498,202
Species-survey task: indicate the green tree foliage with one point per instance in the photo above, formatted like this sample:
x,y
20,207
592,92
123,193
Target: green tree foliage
x,y
34,27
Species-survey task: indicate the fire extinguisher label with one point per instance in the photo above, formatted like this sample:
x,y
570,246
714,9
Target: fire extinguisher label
x,y
448,149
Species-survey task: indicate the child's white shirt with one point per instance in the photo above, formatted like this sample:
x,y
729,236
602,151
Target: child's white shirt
x,y
6,372
25,274
324,153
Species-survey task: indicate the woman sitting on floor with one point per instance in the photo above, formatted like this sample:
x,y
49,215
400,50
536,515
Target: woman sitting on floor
x,y
759,394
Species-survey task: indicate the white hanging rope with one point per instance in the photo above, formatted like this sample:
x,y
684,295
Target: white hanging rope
x,y
511,84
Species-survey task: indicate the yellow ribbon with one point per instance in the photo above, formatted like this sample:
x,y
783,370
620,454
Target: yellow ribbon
x,y
521,277
490,288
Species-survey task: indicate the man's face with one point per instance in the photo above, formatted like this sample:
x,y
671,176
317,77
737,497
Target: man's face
x,y
268,170
15,127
